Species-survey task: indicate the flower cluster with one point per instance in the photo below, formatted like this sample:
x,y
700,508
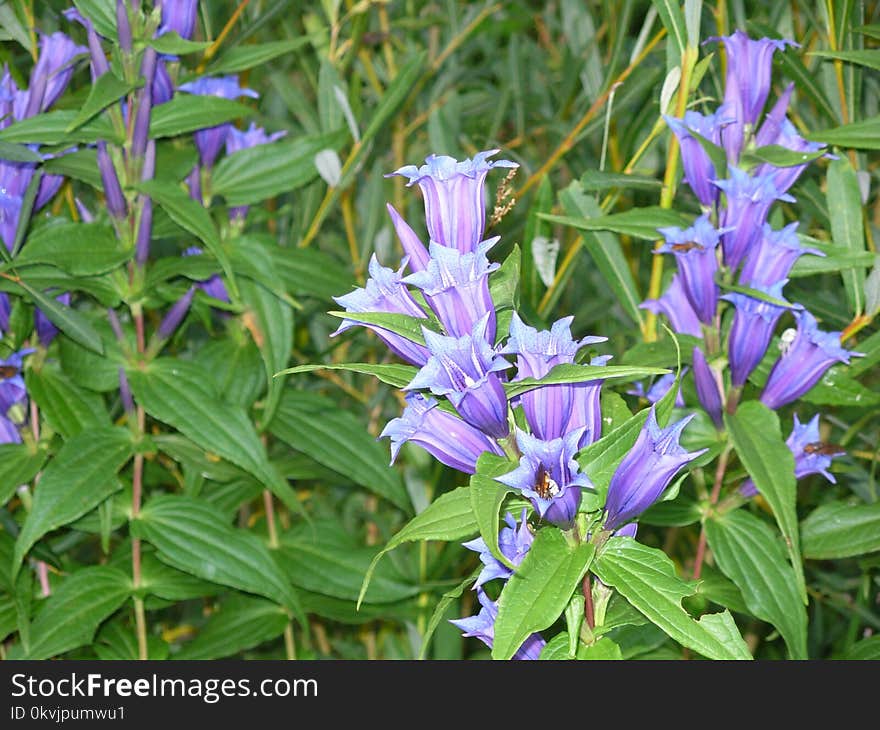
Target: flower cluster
x,y
732,243
449,282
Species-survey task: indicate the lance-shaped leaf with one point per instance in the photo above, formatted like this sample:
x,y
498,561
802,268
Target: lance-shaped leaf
x,y
80,476
572,373
179,393
841,530
752,556
193,536
638,222
74,611
757,438
487,496
449,517
393,374
646,577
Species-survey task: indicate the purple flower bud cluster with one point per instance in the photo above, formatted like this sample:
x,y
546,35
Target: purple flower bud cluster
x,y
752,255
465,364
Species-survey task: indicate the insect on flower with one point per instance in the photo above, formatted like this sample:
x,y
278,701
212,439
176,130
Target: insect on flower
x,y
823,449
688,246
786,339
8,371
545,485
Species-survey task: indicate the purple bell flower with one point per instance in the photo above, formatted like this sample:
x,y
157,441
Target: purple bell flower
x,y
385,292
237,140
175,315
100,65
446,437
212,286
676,307
710,388
811,455
455,206
53,69
413,248
210,140
456,287
482,627
747,85
514,542
694,250
12,388
465,370
748,201
698,168
5,310
645,472
116,204
46,331
586,407
8,432
754,322
549,475
803,362
548,409
772,256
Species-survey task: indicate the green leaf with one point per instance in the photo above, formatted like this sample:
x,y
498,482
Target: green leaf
x,y
75,609
605,250
845,200
751,555
646,577
107,90
395,375
80,249
338,440
189,112
171,43
171,584
180,394
779,156
68,320
869,58
836,388
324,558
257,173
50,128
404,325
102,13
19,463
10,152
395,95
193,217
834,259
487,496
193,536
757,438
241,622
69,409
539,591
450,517
241,58
80,476
637,222
598,180
866,649
80,165
673,20
862,135
841,530
504,291
310,272
270,322
572,373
